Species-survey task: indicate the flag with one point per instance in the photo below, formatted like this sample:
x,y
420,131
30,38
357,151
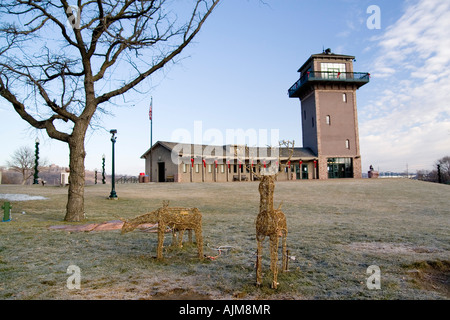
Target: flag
x,y
150,110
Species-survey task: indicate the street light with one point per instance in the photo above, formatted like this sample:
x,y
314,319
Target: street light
x,y
36,162
113,194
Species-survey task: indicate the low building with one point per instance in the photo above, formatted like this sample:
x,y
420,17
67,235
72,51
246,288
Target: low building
x,y
178,162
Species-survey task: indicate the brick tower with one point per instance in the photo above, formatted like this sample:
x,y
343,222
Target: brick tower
x,y
327,91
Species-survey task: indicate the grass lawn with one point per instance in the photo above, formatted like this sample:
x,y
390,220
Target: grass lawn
x,y
337,229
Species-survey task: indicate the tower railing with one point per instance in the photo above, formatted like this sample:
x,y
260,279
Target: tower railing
x,y
358,77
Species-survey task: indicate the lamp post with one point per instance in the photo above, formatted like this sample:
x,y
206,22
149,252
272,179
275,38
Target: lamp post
x,y
113,194
103,169
36,162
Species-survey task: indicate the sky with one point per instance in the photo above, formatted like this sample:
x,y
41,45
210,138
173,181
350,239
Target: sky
x,y
235,76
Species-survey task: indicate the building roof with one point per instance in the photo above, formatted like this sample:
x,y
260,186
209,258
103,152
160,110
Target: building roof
x,y
325,55
230,151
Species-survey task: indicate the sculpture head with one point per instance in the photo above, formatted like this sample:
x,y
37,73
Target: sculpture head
x,y
127,227
267,184
151,217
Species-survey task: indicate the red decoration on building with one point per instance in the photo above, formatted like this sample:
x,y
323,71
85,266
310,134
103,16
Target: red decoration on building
x,y
192,162
215,162
204,163
228,162
315,163
264,164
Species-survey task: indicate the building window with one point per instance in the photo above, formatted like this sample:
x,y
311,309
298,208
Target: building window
x,y
197,168
222,168
347,144
328,120
312,121
333,70
344,97
210,168
184,168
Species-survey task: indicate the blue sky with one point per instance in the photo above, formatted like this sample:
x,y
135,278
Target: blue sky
x,y
237,73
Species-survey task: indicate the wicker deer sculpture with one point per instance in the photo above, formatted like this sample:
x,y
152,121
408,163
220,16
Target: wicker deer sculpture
x,y
178,219
271,222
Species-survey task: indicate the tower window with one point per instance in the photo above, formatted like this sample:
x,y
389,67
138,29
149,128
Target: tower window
x,y
347,144
312,121
328,120
344,97
333,70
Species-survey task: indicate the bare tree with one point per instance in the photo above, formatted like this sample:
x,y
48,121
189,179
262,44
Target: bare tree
x,y
22,161
444,169
59,63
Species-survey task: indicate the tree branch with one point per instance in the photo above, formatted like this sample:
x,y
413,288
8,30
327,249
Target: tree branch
x,y
167,58
43,124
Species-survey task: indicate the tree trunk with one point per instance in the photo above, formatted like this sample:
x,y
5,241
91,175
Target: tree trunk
x,y
75,202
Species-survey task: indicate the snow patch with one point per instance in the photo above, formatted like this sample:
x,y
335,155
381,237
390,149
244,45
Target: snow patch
x,y
20,197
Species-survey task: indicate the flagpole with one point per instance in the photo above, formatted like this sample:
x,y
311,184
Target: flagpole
x,y
151,122
151,135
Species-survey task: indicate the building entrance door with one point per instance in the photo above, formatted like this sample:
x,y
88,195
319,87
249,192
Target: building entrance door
x,y
339,168
304,171
161,172
297,172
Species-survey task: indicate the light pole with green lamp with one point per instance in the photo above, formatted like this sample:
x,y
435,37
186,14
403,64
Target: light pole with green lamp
x,y
36,162
113,194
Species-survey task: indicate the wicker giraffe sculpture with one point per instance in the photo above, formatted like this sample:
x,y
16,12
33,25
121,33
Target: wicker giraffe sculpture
x,y
176,218
271,223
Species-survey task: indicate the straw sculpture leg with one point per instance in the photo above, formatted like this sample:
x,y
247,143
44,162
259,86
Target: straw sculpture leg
x,y
161,231
199,239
